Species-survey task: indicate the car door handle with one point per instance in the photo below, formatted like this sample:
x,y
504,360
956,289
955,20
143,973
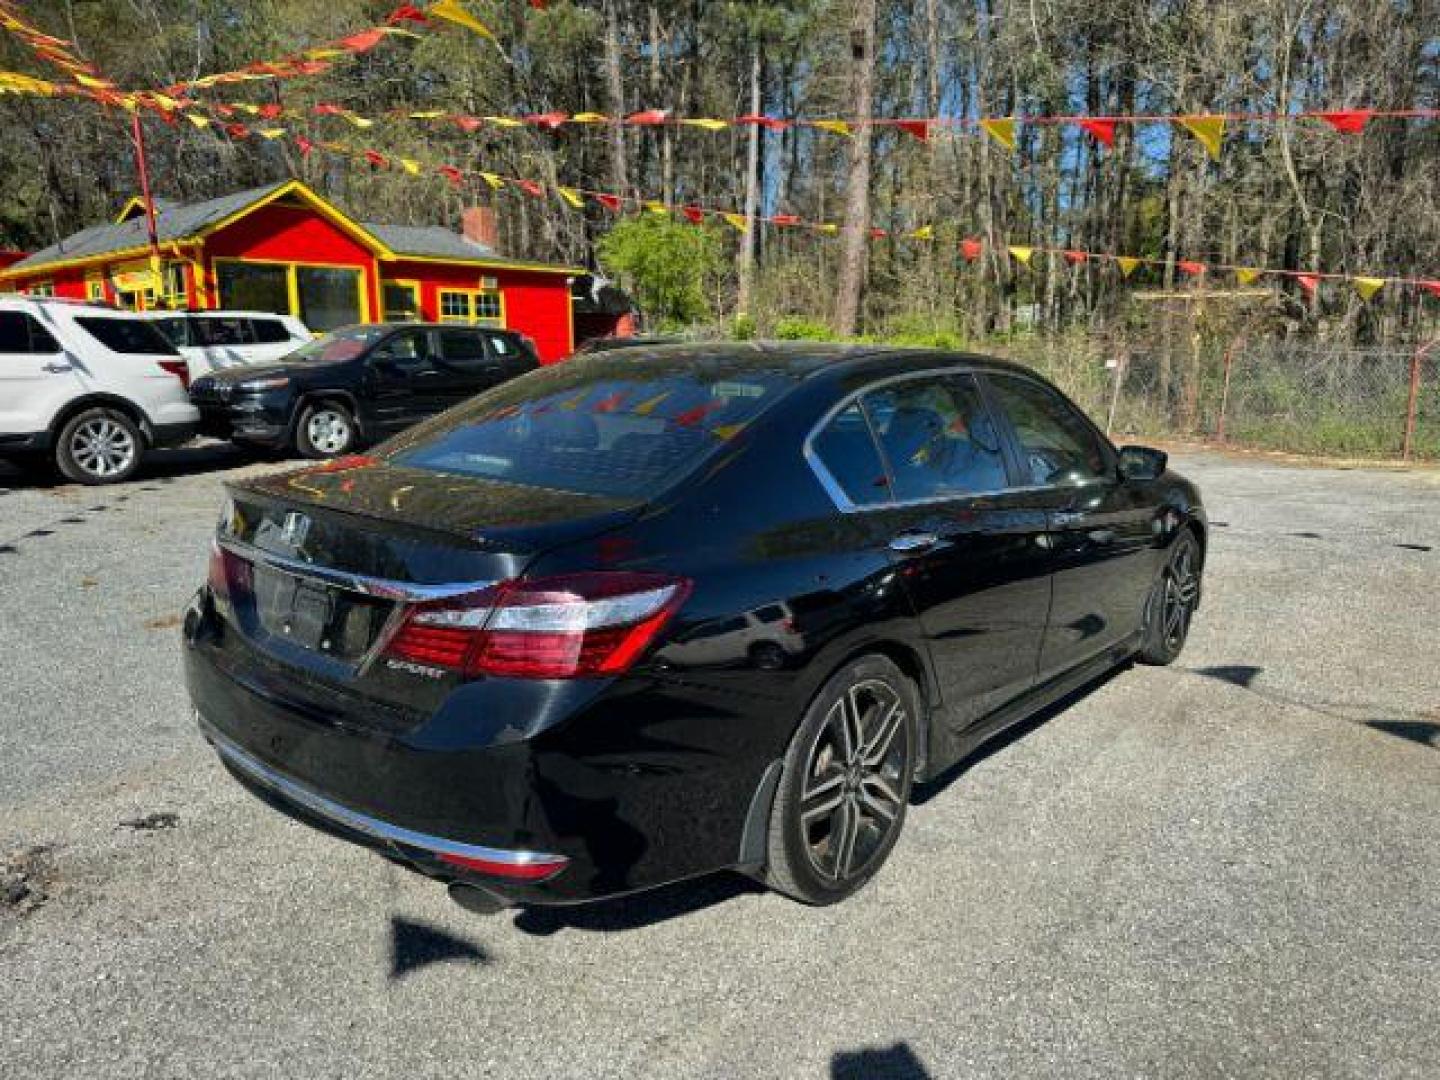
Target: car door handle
x,y
56,369
912,543
1066,520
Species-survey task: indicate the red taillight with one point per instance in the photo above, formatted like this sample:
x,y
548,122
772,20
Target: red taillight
x,y
179,369
226,573
538,870
552,628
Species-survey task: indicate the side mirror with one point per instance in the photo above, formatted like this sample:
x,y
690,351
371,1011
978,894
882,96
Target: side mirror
x,y
1142,463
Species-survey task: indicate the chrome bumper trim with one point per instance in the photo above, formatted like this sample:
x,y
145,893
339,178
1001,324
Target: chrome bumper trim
x,y
326,808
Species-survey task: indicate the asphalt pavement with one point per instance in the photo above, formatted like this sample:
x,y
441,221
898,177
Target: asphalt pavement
x,y
1224,868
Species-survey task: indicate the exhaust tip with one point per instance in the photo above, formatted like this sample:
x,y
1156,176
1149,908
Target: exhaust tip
x,y
476,900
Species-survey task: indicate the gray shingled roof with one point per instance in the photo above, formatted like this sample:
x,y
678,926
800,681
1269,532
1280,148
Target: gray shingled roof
x,y
430,241
175,222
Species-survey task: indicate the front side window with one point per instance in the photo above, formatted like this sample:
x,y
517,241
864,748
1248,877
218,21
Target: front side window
x,y
847,452
218,331
131,336
410,350
1058,447
269,332
938,438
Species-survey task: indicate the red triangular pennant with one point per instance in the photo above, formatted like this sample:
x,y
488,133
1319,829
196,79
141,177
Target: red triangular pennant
x,y
1075,258
304,144
971,249
1347,121
469,124
878,233
374,157
550,120
648,118
919,128
1194,269
406,13
1102,130
785,219
451,173
362,42
610,202
237,131
1308,282
530,187
693,213
1432,287
769,123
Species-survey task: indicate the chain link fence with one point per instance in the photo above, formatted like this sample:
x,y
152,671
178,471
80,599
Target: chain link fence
x,y
1305,398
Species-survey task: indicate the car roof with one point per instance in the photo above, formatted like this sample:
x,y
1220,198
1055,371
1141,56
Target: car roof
x,y
804,360
225,313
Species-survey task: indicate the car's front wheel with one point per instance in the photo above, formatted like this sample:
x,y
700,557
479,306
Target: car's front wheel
x,y
99,446
1172,602
326,430
845,783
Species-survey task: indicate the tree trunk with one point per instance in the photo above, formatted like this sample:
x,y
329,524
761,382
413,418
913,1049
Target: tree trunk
x,y
615,87
855,236
752,190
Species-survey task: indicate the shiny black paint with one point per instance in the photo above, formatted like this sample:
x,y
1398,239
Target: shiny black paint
x,y
659,774
384,397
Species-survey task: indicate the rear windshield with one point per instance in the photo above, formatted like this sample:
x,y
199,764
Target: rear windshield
x,y
340,345
594,426
126,335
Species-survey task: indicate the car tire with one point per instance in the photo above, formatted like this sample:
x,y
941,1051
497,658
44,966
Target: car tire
x,y
99,446
845,783
1172,602
326,430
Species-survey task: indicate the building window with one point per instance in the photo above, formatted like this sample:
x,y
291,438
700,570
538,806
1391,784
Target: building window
x,y
402,301
41,289
474,308
95,289
323,298
177,296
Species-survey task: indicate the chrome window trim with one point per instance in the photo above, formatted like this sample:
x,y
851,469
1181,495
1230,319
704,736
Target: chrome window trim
x,y
843,502
374,827
380,588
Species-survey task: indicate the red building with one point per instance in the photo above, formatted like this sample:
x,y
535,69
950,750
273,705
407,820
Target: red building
x,y
284,249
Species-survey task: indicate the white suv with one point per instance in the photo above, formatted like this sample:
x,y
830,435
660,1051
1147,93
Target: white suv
x,y
215,340
90,387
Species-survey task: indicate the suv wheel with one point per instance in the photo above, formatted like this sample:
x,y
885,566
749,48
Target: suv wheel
x,y
99,446
326,430
846,783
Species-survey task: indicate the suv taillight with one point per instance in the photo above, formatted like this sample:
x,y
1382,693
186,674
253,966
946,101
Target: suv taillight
x,y
560,627
179,369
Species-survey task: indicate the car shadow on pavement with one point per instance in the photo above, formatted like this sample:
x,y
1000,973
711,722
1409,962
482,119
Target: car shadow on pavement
x,y
159,466
415,945
923,793
637,911
897,1062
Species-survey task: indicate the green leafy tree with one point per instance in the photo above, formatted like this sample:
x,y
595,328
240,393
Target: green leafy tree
x,y
668,265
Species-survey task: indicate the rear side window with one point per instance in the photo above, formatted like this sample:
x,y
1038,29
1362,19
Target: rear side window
x,y
130,336
461,347
937,438
20,333
1057,444
176,331
220,332
502,345
269,331
612,428
847,452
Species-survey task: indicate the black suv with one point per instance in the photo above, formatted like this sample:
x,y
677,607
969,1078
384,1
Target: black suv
x,y
357,385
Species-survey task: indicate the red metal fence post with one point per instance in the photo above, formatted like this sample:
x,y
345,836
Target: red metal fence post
x,y
1412,406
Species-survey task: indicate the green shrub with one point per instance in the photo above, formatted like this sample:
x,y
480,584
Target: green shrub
x,y
667,264
743,328
796,329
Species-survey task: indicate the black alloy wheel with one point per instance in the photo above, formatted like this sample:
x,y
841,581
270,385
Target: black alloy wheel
x,y
1172,602
846,783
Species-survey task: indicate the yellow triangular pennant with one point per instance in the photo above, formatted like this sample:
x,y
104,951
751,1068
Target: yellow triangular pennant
x,y
706,124
1368,286
451,11
246,107
271,133
925,232
645,408
1247,275
655,206
589,118
1210,130
739,222
1127,264
1002,131
427,114
358,121
839,127
1023,254
324,53
829,227
410,165
504,121
496,184
198,120
571,196
727,431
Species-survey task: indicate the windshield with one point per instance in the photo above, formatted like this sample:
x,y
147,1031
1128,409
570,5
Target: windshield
x,y
130,336
598,426
339,345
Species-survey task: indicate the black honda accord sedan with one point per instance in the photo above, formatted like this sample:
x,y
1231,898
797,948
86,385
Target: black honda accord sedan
x,y
646,615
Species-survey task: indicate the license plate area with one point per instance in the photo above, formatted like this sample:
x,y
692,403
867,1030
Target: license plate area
x,y
320,618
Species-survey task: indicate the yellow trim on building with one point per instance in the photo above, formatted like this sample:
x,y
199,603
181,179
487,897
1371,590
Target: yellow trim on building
x,y
331,214
472,297
487,264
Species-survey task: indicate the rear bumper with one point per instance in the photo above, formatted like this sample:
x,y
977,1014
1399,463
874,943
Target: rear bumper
x,y
174,434
434,855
